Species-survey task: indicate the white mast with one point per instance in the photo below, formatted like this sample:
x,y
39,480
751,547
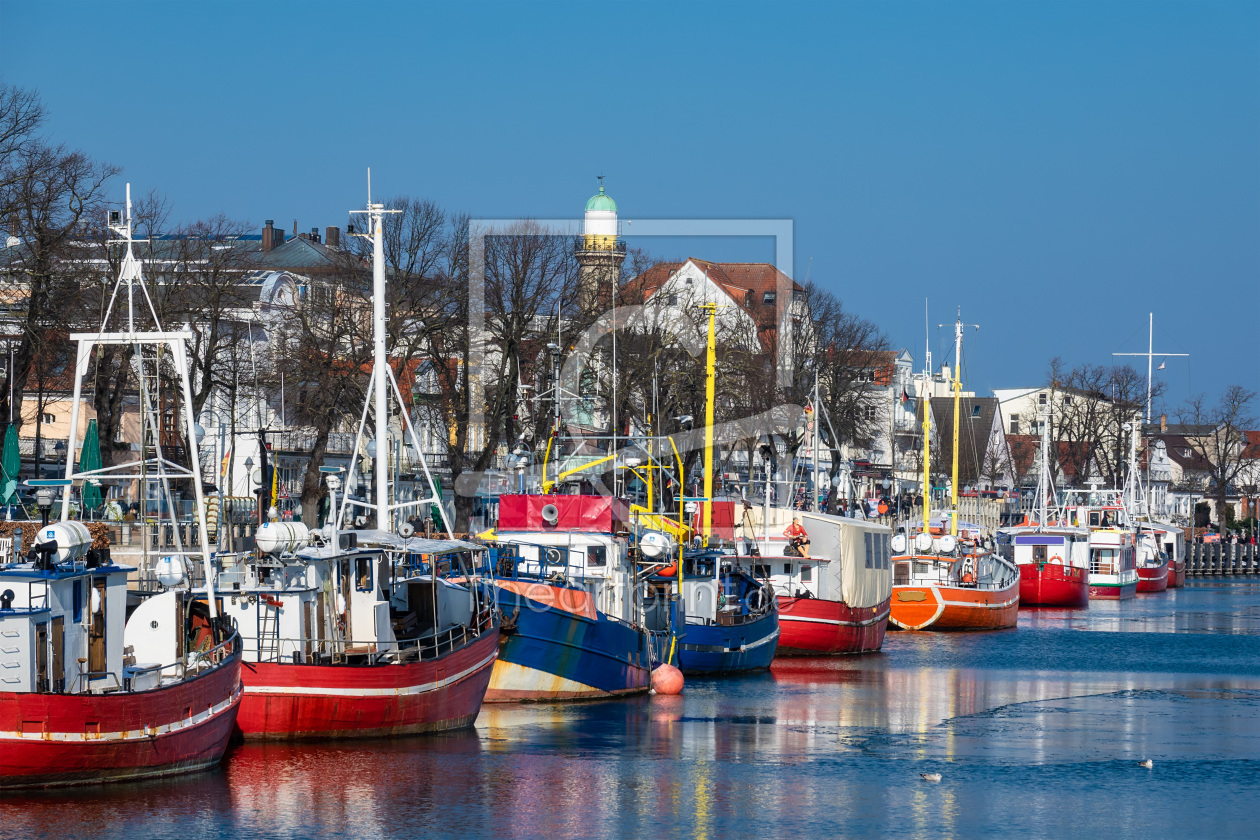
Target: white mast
x,y
1150,356
382,379
176,342
817,433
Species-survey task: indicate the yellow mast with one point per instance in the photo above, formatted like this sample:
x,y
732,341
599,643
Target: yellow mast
x,y
709,377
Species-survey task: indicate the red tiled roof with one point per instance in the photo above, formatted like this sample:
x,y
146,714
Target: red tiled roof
x,y
1252,449
745,283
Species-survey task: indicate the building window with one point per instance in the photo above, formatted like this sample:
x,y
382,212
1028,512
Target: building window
x,y
768,298
1041,399
50,418
1067,399
975,411
1014,424
673,300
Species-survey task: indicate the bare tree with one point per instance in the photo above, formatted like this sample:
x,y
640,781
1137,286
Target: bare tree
x,y
1218,434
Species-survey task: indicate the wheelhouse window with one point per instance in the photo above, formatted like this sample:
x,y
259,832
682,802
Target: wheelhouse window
x,y
807,573
1039,554
1103,561
597,555
761,571
363,574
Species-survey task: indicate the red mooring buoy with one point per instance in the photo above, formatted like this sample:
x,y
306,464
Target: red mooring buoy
x,y
667,679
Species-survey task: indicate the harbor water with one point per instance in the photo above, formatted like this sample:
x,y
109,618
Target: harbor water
x,y
1036,732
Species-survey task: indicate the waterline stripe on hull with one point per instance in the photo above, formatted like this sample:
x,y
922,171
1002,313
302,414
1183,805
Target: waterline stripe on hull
x,y
146,734
371,692
789,617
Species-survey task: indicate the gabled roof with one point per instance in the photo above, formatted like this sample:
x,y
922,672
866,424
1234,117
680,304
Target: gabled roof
x,y
974,429
1177,446
744,283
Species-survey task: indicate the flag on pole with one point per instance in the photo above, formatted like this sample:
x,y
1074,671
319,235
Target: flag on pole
x,y
905,397
223,468
1161,366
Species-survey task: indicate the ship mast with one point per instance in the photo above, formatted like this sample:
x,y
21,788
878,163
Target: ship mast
x,y
958,337
709,385
130,278
383,382
927,427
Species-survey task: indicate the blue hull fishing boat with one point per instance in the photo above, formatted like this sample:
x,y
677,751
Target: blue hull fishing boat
x,y
571,623
725,622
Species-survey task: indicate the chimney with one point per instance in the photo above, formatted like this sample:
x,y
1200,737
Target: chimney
x,y
332,237
295,227
268,235
1163,422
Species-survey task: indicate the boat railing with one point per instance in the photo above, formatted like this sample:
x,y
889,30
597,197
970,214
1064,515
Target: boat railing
x,y
197,662
319,651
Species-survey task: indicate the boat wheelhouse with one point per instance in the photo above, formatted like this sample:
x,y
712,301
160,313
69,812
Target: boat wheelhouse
x,y
1112,564
1053,563
709,613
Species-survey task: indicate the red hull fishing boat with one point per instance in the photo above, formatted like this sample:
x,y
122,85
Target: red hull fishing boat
x,y
1053,585
285,701
90,692
1052,556
836,600
363,633
62,739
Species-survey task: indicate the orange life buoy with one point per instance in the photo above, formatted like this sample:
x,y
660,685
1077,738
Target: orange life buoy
x,y
1056,559
968,577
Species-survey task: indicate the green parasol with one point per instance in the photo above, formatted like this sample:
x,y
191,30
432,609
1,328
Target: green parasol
x,y
90,459
10,466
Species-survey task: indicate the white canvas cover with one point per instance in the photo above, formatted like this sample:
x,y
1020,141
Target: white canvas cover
x,y
859,553
857,568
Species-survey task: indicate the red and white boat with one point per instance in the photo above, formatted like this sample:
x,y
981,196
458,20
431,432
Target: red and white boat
x,y
1113,572
1153,565
1052,556
364,633
836,601
1172,541
360,642
88,694
1053,563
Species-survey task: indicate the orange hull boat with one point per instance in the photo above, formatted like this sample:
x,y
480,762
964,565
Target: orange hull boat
x,y
936,607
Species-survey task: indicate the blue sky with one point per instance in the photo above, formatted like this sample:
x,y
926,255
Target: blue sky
x,y
1057,169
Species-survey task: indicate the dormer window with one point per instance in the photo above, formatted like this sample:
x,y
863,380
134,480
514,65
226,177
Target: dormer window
x,y
975,411
767,298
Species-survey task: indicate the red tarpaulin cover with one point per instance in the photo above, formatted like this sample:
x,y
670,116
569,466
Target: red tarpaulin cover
x,y
582,513
722,520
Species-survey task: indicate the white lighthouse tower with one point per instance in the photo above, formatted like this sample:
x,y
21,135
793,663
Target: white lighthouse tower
x,y
599,252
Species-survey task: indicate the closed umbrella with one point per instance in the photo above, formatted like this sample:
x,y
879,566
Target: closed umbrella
x,y
90,459
10,466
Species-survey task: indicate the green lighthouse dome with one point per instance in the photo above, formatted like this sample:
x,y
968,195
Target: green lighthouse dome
x,y
602,201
